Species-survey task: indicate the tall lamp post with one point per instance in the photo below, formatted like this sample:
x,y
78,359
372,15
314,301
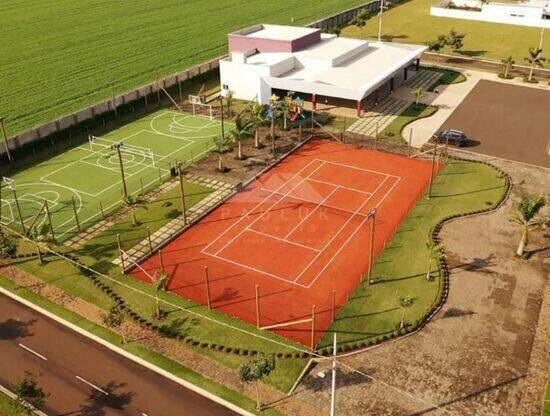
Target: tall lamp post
x,y
8,151
117,147
382,7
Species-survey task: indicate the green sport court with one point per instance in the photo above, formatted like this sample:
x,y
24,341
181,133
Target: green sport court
x,y
90,174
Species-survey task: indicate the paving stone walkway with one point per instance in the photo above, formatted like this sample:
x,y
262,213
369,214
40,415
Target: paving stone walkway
x,y
381,115
173,228
424,78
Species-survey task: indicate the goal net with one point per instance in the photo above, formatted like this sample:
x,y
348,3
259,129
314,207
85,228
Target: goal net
x,y
200,109
100,143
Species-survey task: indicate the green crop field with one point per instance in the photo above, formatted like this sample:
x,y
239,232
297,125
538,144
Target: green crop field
x,y
58,56
90,174
411,22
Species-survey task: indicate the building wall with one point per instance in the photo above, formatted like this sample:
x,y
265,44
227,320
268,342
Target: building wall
x,y
495,13
238,43
242,79
305,41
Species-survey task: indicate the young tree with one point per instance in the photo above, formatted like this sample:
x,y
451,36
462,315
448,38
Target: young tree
x,y
160,285
455,40
114,317
527,209
404,302
29,395
418,93
229,102
534,59
508,63
360,20
8,246
221,145
254,370
434,253
241,130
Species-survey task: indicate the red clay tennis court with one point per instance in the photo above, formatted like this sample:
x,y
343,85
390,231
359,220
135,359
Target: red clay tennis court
x,y
300,233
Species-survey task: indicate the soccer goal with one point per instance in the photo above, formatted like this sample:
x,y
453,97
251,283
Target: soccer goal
x,y
100,143
200,109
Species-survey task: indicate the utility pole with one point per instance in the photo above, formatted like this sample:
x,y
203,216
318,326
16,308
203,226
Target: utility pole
x,y
8,151
182,192
372,216
380,20
221,109
117,146
333,390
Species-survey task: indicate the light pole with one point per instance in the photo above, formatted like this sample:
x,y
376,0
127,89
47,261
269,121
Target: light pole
x,y
333,389
382,7
541,38
8,151
117,147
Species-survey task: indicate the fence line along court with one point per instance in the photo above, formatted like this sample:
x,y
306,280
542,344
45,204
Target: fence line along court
x,y
144,149
298,238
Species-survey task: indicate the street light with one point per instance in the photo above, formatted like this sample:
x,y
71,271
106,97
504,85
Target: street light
x,y
8,152
117,147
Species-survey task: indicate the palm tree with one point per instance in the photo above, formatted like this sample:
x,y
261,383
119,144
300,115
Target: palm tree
x,y
241,130
434,253
404,302
508,63
221,145
534,59
161,281
360,20
418,93
258,114
527,209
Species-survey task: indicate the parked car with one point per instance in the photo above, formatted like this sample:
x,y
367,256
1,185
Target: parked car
x,y
454,137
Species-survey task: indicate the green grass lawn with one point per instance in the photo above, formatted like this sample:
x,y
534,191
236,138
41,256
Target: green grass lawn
x,y
412,112
90,174
373,311
411,22
98,254
546,400
6,408
59,55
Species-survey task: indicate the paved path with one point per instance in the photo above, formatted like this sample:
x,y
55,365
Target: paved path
x,y
448,99
83,377
174,227
380,117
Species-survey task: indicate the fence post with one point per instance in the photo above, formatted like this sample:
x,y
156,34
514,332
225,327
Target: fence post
x,y
333,314
101,209
410,142
50,221
207,281
313,328
76,215
149,240
257,306
161,262
122,266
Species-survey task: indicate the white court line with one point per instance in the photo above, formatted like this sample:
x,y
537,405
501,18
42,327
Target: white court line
x,y
354,214
310,201
311,213
340,186
352,235
33,352
282,239
254,208
269,209
92,385
357,168
341,229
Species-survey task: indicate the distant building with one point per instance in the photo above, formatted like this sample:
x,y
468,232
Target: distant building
x,y
532,13
266,59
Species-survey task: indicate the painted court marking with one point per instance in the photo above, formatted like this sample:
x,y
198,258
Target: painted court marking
x,y
281,194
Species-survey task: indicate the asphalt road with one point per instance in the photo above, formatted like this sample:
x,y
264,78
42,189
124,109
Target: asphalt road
x,y
83,377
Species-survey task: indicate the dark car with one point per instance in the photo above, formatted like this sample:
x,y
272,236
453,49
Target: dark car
x,y
455,137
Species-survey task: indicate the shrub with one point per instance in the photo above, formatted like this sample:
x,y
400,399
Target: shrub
x,y
114,317
8,246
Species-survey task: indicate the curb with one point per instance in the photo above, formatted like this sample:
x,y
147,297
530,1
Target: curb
x,y
12,395
127,355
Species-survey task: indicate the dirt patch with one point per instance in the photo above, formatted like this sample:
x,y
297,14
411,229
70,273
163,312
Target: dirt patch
x,y
477,356
507,121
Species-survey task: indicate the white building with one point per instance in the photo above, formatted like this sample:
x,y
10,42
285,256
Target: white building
x,y
267,58
532,13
